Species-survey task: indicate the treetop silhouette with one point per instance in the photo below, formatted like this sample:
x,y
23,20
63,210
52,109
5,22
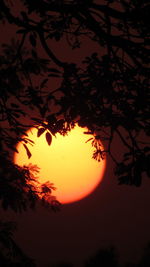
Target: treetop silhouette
x,y
107,92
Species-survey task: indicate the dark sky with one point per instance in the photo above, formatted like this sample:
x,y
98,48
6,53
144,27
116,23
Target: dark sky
x,y
112,215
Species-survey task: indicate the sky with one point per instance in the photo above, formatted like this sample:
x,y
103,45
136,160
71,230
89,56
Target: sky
x,y
113,215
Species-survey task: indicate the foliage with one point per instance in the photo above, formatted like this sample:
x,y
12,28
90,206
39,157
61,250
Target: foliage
x,y
104,257
20,188
107,92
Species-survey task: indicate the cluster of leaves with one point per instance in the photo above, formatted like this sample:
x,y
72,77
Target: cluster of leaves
x,y
107,92
130,172
20,188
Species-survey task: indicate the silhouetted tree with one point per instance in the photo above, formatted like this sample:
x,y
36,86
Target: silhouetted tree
x,y
145,259
10,253
103,258
107,92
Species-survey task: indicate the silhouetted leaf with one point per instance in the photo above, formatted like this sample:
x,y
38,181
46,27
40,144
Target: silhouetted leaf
x,y
46,188
40,131
43,83
28,151
89,140
37,120
14,105
55,205
21,31
34,54
32,40
48,138
53,75
54,70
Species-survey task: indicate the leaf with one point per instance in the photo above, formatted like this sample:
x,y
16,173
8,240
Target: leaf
x,y
89,139
32,40
53,75
54,70
40,131
27,151
34,54
87,132
43,83
45,188
55,205
57,36
14,105
48,138
37,120
21,31
24,15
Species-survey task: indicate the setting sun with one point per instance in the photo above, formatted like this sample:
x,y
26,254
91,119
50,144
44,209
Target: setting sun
x,y
67,163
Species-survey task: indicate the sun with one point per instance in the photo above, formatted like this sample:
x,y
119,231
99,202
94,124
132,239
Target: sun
x,y
67,163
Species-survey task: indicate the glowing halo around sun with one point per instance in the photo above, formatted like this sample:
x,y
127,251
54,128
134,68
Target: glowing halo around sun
x,y
67,163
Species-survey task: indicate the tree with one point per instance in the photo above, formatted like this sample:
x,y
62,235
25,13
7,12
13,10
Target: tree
x,y
10,253
104,257
145,260
107,92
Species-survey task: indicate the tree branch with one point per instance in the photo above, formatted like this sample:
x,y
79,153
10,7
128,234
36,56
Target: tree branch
x,y
109,11
14,20
25,25
122,139
117,41
49,52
